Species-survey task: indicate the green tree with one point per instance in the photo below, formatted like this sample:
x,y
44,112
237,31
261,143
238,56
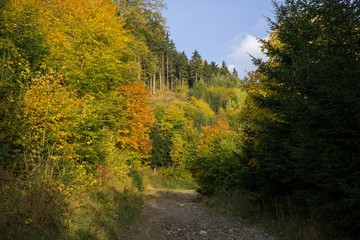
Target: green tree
x,y
144,20
196,68
304,133
217,91
224,69
21,52
173,136
216,165
181,68
234,73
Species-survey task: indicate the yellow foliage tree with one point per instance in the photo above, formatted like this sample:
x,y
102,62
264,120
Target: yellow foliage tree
x,y
52,113
88,40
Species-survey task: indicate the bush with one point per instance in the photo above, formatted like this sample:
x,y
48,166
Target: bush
x,y
170,178
216,165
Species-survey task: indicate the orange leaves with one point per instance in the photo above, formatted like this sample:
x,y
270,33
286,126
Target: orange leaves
x,y
139,119
219,126
216,136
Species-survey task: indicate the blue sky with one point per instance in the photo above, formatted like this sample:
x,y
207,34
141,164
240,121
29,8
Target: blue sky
x,y
220,29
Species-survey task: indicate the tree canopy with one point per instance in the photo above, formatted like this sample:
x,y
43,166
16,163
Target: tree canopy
x,y
94,94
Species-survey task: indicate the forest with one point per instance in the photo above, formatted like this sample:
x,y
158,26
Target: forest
x,y
95,99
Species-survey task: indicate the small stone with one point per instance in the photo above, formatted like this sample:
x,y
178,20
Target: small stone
x,y
203,232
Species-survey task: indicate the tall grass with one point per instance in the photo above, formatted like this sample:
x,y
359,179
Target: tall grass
x,y
30,209
170,178
50,201
284,220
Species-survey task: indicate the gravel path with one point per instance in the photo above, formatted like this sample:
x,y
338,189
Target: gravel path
x,y
175,216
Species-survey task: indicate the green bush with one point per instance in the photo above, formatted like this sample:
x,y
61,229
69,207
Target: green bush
x,y
216,165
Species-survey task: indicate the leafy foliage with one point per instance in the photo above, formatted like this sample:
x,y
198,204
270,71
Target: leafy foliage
x,y
170,135
22,50
217,166
304,133
73,134
82,37
218,91
77,130
139,119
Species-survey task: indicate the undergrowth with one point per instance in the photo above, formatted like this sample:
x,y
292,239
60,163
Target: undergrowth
x,y
40,206
169,178
282,220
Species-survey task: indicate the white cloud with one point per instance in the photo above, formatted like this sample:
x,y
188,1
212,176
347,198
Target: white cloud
x,y
260,27
231,67
242,48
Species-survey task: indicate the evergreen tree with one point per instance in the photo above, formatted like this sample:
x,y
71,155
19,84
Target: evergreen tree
x,y
304,133
214,67
181,66
170,55
234,73
144,20
195,68
224,69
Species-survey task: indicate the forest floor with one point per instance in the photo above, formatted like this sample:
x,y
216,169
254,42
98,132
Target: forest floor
x,y
178,215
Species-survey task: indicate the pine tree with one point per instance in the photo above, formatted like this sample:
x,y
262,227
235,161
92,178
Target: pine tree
x,y
305,132
181,66
224,69
195,68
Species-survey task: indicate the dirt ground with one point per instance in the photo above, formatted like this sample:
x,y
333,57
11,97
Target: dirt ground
x,y
174,215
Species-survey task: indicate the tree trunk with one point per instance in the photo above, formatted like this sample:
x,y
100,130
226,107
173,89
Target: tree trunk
x,y
162,73
167,72
154,84
139,70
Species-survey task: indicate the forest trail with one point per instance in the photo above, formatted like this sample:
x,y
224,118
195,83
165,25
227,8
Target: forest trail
x,y
174,215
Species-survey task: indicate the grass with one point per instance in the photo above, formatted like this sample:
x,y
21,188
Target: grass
x,y
168,178
280,221
106,214
96,207
40,207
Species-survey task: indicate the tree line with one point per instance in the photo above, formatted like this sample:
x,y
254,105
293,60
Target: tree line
x,y
298,147
93,93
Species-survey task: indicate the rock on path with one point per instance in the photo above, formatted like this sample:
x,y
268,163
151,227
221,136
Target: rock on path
x,y
175,216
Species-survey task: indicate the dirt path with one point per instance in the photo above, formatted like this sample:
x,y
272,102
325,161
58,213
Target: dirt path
x,y
175,216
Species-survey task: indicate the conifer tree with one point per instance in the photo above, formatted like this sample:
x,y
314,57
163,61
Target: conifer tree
x,y
305,132
195,68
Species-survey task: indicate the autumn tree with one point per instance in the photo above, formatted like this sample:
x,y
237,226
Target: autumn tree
x,y
216,165
22,51
67,117
135,135
101,38
51,124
